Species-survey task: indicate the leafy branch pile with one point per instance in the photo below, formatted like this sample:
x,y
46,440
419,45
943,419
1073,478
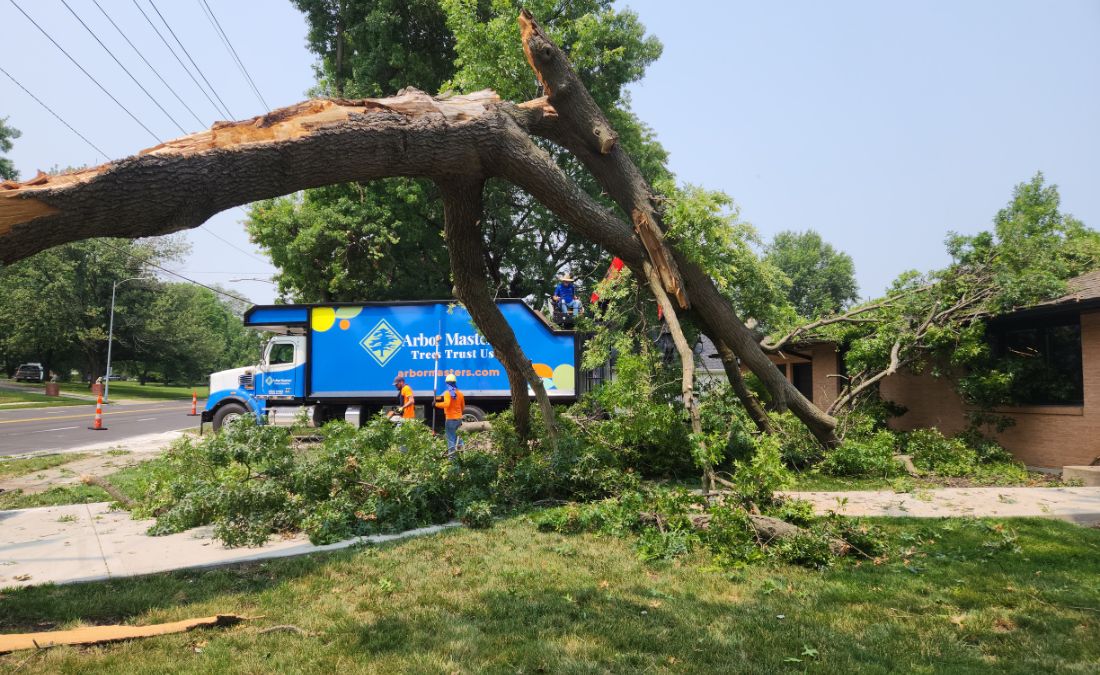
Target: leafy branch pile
x,y
251,482
671,523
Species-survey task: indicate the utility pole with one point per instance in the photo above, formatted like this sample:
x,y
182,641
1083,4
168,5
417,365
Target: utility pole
x,y
110,337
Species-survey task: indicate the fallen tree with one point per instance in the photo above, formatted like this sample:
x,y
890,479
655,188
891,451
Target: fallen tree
x,y
452,140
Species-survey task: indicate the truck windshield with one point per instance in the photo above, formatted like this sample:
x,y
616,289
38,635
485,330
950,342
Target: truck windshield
x,y
281,352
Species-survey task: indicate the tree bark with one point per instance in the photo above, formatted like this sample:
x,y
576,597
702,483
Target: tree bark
x,y
579,125
462,210
687,367
748,399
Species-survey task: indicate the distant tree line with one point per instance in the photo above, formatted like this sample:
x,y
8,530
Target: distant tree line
x,y
55,309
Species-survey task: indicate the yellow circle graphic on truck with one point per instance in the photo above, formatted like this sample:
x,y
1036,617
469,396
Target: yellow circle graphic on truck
x,y
564,377
323,318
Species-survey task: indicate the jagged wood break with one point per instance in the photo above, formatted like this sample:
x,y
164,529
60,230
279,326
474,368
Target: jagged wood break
x,y
457,141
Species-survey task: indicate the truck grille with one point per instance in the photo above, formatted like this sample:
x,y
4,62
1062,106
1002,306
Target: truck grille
x,y
246,381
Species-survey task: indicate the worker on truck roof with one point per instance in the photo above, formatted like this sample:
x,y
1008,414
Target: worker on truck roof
x,y
452,402
405,401
565,295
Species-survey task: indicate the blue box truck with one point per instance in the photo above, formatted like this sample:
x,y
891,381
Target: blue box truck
x,y
338,361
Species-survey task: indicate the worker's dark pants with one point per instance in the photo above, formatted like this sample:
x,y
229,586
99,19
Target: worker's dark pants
x,y
573,307
451,427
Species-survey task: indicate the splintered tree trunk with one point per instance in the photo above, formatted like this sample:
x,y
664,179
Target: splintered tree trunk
x,y
462,209
181,183
579,125
687,368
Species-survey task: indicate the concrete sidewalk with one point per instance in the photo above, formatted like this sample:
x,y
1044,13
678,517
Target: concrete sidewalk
x,y
1079,505
89,542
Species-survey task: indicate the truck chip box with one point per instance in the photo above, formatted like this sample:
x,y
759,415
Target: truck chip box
x,y
338,361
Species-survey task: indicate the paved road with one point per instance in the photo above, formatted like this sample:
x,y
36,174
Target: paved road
x,y
34,429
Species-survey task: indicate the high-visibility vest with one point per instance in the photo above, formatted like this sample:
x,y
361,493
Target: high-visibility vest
x,y
452,407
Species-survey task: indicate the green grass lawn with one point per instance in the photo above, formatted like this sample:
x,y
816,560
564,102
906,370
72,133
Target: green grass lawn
x,y
154,391
9,397
10,468
119,390
127,480
954,597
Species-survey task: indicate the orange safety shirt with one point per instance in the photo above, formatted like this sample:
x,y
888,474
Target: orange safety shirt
x,y
406,396
452,407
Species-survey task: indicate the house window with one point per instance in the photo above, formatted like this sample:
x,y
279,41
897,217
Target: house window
x,y
1044,361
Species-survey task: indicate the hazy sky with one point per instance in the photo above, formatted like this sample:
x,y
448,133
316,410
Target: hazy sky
x,y
881,125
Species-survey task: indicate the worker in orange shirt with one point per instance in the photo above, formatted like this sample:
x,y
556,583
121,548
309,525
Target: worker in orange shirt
x,y
405,399
452,402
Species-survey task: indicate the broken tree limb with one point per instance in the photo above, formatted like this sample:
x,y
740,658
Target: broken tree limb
x,y
584,130
109,488
768,529
748,399
573,124
687,366
94,635
462,209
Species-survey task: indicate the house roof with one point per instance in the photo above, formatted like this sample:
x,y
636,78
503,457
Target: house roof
x,y
1078,289
1082,292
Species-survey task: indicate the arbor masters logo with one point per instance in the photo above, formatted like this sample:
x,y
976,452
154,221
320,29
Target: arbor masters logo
x,y
382,342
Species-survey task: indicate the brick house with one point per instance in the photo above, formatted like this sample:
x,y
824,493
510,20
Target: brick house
x,y
1058,423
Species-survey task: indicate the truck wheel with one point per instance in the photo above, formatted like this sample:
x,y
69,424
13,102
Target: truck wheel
x,y
228,413
472,413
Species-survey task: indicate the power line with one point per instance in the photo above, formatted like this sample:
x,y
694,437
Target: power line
x,y
167,25
146,61
108,158
218,111
177,274
77,64
213,18
93,146
124,69
230,244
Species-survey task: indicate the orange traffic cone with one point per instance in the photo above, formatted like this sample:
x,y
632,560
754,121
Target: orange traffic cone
x,y
194,403
98,415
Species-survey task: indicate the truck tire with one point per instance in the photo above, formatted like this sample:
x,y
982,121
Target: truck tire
x,y
472,413
226,414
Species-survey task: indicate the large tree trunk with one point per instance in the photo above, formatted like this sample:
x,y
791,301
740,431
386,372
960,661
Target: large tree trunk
x,y
580,126
180,184
462,209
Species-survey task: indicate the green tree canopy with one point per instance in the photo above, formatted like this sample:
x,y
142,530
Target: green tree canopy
x,y
7,134
383,239
822,279
55,309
